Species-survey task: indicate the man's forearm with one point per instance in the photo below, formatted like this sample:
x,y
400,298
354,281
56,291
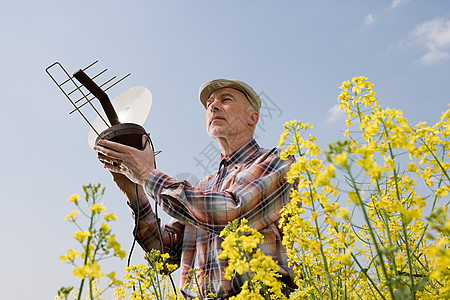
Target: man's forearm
x,y
138,196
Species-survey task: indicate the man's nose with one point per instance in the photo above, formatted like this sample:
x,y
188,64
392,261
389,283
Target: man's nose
x,y
214,105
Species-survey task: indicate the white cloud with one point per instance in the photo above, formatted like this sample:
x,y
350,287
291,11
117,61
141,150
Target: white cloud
x,y
369,19
396,3
334,114
435,36
434,57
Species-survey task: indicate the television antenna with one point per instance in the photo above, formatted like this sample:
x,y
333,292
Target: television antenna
x,y
121,119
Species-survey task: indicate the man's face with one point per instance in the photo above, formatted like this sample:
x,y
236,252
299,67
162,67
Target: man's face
x,y
229,114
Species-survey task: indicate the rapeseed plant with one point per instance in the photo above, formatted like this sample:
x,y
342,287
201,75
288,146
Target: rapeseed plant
x,y
96,244
259,270
384,248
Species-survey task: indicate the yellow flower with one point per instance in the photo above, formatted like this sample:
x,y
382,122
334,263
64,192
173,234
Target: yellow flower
x,y
113,280
409,214
242,267
293,172
112,243
348,122
427,174
97,208
291,150
343,213
283,138
314,247
435,275
74,198
413,168
89,251
354,197
442,191
314,216
71,254
356,90
345,85
323,178
341,159
91,270
347,132
71,216
284,154
104,227
346,258
110,217
330,209
81,235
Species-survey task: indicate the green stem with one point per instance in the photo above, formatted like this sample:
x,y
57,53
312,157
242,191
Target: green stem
x,y
387,229
86,256
371,231
361,268
419,241
158,281
90,287
310,275
88,243
198,286
388,233
358,109
408,251
325,262
266,293
368,277
424,231
140,288
336,228
155,285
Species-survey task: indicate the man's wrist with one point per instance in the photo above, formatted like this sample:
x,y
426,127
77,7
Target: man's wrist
x,y
154,183
144,176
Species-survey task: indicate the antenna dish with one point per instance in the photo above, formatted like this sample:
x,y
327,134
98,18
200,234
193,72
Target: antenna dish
x,y
132,106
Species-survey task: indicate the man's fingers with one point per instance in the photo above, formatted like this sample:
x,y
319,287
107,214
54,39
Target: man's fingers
x,y
117,147
144,141
101,157
135,164
111,153
113,167
107,160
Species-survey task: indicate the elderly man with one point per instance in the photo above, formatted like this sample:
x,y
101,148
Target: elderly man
x,y
250,183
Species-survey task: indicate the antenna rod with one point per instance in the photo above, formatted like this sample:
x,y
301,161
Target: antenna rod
x,y
99,94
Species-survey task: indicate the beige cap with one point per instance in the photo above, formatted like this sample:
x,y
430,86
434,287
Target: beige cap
x,y
210,86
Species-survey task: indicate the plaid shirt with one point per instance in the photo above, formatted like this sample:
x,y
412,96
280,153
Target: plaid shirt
x,y
249,184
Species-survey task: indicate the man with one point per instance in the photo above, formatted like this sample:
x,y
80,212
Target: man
x,y
250,183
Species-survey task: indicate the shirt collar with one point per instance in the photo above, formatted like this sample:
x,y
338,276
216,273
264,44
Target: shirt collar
x,y
242,154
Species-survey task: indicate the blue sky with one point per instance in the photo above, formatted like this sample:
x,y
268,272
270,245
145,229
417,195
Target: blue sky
x,y
295,53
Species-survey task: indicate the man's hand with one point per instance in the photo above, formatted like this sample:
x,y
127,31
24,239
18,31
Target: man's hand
x,y
133,163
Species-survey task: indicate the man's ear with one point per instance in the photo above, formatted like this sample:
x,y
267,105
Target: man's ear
x,y
253,118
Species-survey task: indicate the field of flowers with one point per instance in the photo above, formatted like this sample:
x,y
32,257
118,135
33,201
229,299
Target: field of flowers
x,y
367,219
